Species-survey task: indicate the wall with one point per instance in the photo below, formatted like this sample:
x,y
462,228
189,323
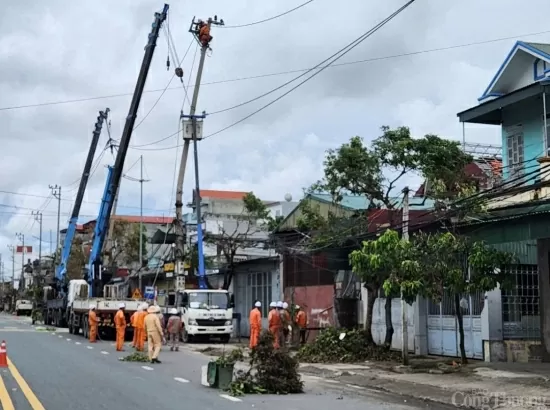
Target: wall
x,y
317,302
529,114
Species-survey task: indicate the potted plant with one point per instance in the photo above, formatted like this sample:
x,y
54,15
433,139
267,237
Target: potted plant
x,y
220,371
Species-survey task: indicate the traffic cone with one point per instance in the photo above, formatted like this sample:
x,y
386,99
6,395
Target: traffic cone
x,y
3,355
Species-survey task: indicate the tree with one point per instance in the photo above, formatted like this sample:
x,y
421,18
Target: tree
x,y
376,171
242,233
126,239
386,257
77,260
455,265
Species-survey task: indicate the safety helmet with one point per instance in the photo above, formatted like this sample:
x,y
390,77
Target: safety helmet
x,y
273,304
121,306
92,307
285,305
279,305
173,311
258,304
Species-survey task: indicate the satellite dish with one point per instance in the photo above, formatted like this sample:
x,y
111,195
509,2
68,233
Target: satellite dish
x,y
288,197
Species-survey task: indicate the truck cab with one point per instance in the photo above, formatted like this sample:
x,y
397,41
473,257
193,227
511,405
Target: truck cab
x,y
207,313
23,307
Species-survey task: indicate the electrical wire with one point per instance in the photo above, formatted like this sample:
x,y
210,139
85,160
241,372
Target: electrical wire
x,y
270,18
280,73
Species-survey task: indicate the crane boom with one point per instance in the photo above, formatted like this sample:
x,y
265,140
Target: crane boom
x,y
61,269
115,173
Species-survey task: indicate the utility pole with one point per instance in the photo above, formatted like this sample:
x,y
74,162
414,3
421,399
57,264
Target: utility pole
x,y
56,192
21,237
404,324
192,134
38,218
2,278
12,250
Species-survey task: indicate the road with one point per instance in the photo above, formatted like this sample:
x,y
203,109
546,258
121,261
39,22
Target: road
x,y
56,370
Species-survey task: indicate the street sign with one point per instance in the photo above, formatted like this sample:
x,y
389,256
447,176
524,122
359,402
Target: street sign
x,y
137,294
149,292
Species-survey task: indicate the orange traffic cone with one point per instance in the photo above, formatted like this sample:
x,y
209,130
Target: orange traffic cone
x,y
3,355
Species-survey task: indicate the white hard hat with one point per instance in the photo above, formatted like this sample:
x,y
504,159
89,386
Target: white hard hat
x,y
297,307
140,308
157,309
273,304
279,304
121,306
173,311
285,305
258,304
144,306
92,307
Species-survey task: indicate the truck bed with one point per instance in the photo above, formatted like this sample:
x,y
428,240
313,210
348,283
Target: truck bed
x,y
105,304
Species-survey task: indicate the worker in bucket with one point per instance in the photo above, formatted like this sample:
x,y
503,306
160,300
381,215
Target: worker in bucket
x,y
93,322
174,326
255,320
120,325
133,320
274,321
154,333
139,330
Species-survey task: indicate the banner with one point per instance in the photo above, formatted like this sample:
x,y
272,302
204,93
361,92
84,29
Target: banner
x,y
25,249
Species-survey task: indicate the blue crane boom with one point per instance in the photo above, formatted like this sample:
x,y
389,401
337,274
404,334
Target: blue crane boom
x,y
61,269
115,172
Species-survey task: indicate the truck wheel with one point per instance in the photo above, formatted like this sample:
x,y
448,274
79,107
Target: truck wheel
x,y
85,329
225,338
186,337
17,313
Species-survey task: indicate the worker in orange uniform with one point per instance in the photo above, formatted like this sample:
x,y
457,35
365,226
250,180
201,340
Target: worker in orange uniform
x,y
255,320
204,33
154,333
285,318
139,329
93,324
301,321
133,319
120,325
274,321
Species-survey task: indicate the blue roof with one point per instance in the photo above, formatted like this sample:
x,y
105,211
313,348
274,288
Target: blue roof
x,y
359,202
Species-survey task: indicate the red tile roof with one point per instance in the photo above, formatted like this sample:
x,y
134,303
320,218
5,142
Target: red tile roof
x,y
146,219
210,193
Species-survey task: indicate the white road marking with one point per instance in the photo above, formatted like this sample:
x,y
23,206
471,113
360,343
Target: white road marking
x,y
230,398
355,386
68,340
53,333
90,347
179,379
77,343
61,337
147,368
332,381
104,352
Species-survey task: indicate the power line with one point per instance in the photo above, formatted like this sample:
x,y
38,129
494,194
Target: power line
x,y
280,73
270,18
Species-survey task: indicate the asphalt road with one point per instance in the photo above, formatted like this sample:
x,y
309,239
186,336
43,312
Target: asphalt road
x,y
56,370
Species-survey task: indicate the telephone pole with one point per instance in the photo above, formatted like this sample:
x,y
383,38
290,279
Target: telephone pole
x,y
201,31
2,278
56,192
38,218
404,324
21,237
12,250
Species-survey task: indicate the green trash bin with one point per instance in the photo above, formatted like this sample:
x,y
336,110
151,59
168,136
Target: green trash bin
x,y
219,376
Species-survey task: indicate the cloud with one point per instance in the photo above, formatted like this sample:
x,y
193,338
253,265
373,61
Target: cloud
x,y
52,52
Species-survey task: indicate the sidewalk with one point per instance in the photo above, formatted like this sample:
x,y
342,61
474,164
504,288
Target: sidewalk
x,y
476,387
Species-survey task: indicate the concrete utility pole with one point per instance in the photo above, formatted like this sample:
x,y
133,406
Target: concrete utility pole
x,y
2,276
404,324
21,237
56,192
38,218
12,250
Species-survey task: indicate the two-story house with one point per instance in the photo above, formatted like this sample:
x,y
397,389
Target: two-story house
x,y
509,324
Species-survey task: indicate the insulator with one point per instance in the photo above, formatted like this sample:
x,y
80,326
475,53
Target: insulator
x,y
179,72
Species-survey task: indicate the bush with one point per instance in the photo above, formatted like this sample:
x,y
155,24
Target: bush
x,y
328,348
272,371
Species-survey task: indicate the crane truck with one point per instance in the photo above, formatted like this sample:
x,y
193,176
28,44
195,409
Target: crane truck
x,y
94,290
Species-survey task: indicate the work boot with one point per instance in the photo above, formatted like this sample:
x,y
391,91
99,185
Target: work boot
x,y
177,349
156,361
172,349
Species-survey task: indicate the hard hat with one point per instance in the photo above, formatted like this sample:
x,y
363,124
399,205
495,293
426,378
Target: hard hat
x,y
279,304
140,308
151,309
92,307
285,305
273,304
173,311
144,306
296,307
258,304
121,306
157,309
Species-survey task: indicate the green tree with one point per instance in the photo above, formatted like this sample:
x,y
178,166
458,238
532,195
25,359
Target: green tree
x,y
378,261
241,233
376,171
77,260
455,265
125,237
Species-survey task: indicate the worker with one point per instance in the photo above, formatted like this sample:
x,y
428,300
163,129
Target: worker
x,y
255,320
301,321
204,33
93,324
139,330
133,319
286,323
154,333
174,327
274,321
281,327
120,325
162,321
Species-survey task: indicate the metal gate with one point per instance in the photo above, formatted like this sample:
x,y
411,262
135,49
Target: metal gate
x,y
443,335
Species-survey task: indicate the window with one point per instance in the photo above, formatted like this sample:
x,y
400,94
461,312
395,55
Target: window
x,y
547,131
210,300
539,68
259,284
514,145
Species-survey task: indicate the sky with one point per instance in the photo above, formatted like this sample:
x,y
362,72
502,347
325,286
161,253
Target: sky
x,y
52,54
